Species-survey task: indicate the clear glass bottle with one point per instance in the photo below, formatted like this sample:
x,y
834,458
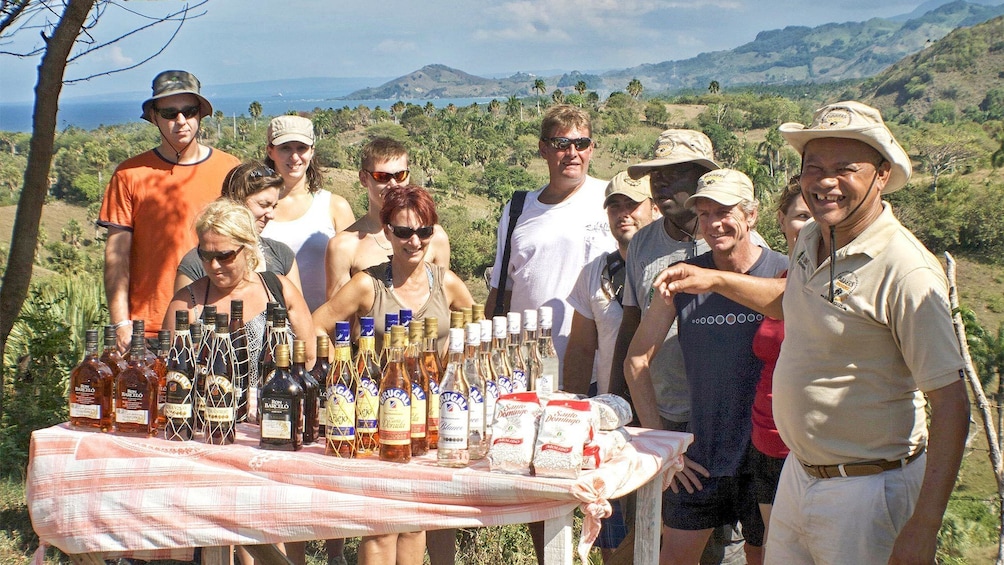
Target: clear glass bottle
x,y
491,390
514,353
454,410
310,390
395,403
340,407
477,444
221,393
433,365
322,365
419,388
136,393
550,378
368,389
91,388
281,398
530,350
179,404
498,360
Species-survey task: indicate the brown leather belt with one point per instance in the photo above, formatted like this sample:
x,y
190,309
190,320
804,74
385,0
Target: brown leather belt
x,y
862,469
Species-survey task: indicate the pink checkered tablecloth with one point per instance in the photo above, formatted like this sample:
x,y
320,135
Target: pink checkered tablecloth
x,y
90,492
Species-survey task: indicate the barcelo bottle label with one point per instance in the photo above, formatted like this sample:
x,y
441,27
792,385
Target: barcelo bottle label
x,y
454,420
341,414
277,419
395,417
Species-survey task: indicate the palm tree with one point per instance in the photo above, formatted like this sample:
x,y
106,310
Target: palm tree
x,y
514,107
558,96
397,109
255,110
218,116
634,88
495,107
714,87
540,88
581,87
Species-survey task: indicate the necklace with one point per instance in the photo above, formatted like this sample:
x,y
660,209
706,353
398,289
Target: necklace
x,y
380,245
688,234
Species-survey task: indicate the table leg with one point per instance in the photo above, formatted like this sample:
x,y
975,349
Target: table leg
x,y
217,555
558,540
648,523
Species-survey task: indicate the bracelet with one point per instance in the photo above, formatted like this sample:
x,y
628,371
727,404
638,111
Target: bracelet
x,y
122,324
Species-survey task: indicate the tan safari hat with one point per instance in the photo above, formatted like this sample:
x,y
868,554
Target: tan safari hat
x,y
727,187
635,189
284,129
169,83
854,120
676,146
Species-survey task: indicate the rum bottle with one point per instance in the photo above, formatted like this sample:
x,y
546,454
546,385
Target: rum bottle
x,y
91,388
160,369
277,335
550,377
433,365
136,394
111,355
491,390
281,398
404,316
395,403
310,390
242,360
514,354
368,389
320,373
498,361
454,410
221,390
179,404
389,320
530,349
477,444
419,388
202,360
340,408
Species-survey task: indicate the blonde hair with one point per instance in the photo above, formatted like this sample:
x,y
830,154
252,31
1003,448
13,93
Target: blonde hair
x,y
230,219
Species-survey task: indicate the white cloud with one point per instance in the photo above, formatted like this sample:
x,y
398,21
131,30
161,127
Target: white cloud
x,y
116,57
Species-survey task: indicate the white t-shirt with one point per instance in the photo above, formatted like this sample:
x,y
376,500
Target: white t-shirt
x,y
551,244
308,237
589,300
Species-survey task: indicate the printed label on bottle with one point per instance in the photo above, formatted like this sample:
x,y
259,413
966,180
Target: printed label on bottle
x,y
126,416
545,385
477,410
433,407
395,417
519,382
418,411
89,411
219,399
341,414
454,420
277,419
504,384
367,404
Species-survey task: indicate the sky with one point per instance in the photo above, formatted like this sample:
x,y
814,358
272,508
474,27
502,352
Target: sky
x,y
238,41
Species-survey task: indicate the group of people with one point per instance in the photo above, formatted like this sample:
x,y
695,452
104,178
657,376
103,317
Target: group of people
x,y
803,377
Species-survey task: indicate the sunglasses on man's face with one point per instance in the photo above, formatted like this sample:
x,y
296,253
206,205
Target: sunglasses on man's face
x,y
404,232
222,256
381,176
562,143
170,113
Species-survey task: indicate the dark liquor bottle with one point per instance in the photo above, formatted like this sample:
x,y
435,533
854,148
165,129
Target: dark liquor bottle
x,y
320,373
242,362
278,334
281,398
454,411
477,444
221,394
342,383
419,388
160,369
204,349
433,365
91,388
368,389
179,406
111,355
395,403
514,353
136,394
310,390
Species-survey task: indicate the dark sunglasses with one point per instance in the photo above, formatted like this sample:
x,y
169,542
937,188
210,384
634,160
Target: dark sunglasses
x,y
171,113
221,256
404,232
381,176
562,143
261,172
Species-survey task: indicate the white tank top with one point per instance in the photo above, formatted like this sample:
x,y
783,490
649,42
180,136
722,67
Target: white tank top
x,y
308,237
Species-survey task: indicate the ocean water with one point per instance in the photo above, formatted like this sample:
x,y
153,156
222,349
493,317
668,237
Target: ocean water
x,y
89,114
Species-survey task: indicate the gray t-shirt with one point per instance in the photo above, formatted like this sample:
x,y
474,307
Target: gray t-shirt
x,y
652,250
278,259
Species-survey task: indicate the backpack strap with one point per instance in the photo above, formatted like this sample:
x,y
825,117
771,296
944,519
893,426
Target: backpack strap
x,y
274,286
515,209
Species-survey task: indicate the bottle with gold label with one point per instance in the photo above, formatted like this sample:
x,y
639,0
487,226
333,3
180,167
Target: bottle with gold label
x,y
340,406
136,394
204,349
91,388
320,373
454,410
468,312
368,389
277,335
477,444
514,353
221,393
432,363
395,403
281,399
498,361
310,390
179,404
419,388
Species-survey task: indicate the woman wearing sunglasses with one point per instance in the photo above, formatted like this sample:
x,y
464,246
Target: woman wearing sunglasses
x,y
407,281
256,186
306,217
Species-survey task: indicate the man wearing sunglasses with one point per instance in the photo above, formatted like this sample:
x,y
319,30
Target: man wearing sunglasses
x,y
364,244
152,201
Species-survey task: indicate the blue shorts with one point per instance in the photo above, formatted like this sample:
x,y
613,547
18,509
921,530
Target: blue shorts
x,y
722,501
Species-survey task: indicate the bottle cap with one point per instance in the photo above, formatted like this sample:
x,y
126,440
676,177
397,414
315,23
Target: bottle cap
x,y
473,334
431,327
456,340
366,326
416,331
389,321
513,320
499,327
237,308
486,330
478,312
282,355
404,317
545,317
397,335
181,320
299,351
323,346
530,320
222,323
456,319
279,317
343,332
